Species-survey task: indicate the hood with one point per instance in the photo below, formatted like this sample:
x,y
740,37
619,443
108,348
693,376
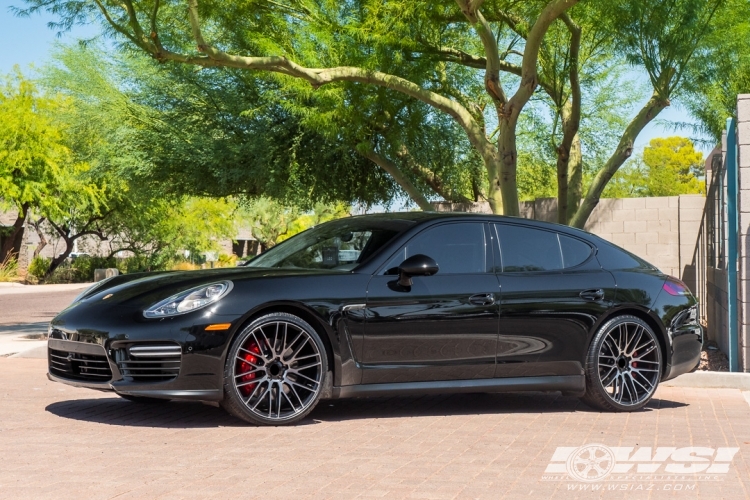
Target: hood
x,y
141,290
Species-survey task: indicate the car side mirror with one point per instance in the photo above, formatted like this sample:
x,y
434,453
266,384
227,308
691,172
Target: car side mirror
x,y
416,265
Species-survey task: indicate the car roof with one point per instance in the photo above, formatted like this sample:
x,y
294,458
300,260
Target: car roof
x,y
425,217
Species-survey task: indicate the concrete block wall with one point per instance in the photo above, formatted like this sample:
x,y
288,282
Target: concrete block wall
x,y
743,207
661,230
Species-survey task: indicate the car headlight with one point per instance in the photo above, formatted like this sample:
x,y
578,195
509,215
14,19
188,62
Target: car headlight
x,y
189,300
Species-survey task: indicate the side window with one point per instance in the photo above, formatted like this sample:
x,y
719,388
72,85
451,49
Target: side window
x,y
574,252
524,249
458,248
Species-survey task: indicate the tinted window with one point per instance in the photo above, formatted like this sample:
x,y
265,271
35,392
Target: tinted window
x,y
526,249
574,252
612,257
339,245
457,248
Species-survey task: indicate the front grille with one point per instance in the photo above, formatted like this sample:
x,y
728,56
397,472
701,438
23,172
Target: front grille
x,y
79,366
149,363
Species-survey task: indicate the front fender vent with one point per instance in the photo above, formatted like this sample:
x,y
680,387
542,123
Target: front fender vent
x,y
149,362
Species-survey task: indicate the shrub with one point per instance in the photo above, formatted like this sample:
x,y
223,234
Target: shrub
x,y
65,274
9,268
185,266
38,267
226,260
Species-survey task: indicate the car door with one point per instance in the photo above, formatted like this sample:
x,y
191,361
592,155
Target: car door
x,y
443,327
553,291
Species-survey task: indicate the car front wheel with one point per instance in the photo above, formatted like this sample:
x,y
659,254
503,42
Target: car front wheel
x,y
623,366
275,370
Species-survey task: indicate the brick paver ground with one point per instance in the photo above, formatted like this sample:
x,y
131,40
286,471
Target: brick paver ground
x,y
62,442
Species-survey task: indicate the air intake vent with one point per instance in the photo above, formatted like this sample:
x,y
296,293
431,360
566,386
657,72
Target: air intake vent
x,y
149,363
79,366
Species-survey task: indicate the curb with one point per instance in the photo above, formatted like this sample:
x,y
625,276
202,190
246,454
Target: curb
x,y
712,380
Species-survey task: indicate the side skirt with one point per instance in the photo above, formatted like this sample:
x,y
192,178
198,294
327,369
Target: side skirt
x,y
569,384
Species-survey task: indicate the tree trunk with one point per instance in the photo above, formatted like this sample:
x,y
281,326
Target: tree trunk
x,y
653,107
42,240
569,177
503,192
56,261
575,178
12,245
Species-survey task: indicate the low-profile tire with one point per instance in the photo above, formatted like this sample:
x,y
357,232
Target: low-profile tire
x,y
275,371
142,399
623,365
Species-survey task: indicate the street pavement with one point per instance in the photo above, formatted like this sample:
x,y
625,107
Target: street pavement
x,y
25,311
61,442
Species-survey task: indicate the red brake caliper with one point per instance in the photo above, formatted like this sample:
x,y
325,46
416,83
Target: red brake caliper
x,y
245,366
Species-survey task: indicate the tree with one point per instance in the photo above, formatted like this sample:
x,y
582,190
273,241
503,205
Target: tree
x,y
212,133
38,171
455,59
311,53
669,167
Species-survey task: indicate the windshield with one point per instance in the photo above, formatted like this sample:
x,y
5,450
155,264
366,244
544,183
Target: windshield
x,y
338,245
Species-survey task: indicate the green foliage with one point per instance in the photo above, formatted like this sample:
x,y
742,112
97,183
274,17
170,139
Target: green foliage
x,y
272,222
670,166
409,85
38,267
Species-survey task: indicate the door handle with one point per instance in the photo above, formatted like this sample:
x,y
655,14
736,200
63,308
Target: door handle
x,y
592,295
482,299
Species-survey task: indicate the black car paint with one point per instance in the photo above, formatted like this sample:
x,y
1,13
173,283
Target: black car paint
x,y
381,339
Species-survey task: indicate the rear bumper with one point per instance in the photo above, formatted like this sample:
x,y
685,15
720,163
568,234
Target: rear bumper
x,y
686,345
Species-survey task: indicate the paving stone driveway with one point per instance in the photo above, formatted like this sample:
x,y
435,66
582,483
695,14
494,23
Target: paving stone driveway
x,y
62,442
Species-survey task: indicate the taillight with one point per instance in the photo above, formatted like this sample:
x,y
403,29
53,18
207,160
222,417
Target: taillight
x,y
675,287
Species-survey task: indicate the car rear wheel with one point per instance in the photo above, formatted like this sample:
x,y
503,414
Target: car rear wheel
x,y
623,366
274,371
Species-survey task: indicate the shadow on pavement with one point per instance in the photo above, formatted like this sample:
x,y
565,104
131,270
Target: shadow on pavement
x,y
181,415
168,415
461,404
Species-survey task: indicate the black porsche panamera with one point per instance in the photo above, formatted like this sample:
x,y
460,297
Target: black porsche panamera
x,y
408,303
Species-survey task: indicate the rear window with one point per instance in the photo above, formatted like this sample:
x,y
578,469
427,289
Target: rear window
x,y
612,257
574,251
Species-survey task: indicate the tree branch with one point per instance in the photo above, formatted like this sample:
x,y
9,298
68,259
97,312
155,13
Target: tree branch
x,y
529,74
492,67
398,176
624,150
429,177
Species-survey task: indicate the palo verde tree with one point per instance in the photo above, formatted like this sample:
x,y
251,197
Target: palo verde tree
x,y
316,41
477,62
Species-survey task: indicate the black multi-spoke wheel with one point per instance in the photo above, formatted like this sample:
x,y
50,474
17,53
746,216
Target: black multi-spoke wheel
x,y
623,366
274,371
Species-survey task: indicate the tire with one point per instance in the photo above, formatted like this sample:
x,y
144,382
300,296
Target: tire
x,y
623,365
275,371
142,399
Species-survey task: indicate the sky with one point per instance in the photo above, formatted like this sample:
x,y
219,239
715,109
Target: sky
x,y
28,40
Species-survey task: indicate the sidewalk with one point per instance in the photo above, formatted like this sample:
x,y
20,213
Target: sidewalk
x,y
16,288
18,339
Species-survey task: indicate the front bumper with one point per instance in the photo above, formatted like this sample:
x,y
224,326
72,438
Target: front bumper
x,y
166,367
